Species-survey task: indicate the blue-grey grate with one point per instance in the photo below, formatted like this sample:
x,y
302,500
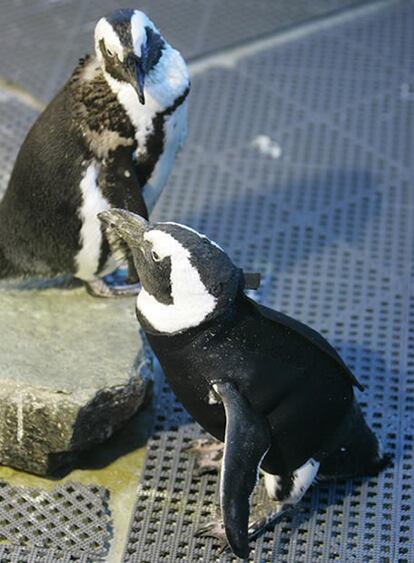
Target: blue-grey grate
x,y
43,39
299,164
70,523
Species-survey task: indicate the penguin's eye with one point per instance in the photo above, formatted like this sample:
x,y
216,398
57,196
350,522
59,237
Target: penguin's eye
x,y
106,52
155,256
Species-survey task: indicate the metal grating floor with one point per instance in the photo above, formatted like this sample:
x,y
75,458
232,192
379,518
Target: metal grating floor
x,y
303,171
70,523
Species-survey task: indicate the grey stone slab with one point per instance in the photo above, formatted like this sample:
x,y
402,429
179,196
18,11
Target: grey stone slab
x,y
72,371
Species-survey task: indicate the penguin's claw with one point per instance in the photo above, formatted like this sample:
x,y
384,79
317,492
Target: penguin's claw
x,y
99,288
208,455
259,523
263,516
214,530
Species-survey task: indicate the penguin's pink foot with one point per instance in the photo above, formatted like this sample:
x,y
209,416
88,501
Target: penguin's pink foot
x,y
208,455
99,288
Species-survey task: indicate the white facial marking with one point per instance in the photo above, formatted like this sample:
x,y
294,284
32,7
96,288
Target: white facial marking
x,y
105,31
139,22
163,85
87,259
192,303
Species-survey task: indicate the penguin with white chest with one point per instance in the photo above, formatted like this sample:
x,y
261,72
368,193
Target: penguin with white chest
x,y
272,389
108,139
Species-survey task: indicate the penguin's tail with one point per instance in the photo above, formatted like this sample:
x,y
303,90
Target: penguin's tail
x,y
356,451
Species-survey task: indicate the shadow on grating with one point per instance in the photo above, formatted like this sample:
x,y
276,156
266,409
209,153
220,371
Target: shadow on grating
x,y
302,171
72,521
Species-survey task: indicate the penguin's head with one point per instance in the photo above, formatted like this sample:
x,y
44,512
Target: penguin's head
x,y
186,278
128,46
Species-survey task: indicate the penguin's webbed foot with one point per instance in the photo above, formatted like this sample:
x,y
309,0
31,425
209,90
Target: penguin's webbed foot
x,y
208,455
264,514
99,288
214,530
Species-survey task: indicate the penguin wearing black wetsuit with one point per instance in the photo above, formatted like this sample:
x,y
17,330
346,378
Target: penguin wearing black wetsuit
x,y
108,139
271,388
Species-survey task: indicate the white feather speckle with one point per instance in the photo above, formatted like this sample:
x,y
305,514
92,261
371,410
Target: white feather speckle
x,y
267,146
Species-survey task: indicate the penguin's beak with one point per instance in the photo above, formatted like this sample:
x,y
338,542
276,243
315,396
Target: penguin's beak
x,y
136,75
126,225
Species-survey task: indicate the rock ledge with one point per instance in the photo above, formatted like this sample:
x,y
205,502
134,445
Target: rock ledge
x,y
72,371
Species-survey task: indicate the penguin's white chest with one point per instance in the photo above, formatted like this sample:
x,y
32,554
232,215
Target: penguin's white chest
x,y
175,132
92,203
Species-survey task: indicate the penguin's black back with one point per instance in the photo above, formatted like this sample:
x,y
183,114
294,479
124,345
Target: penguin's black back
x,y
286,373
43,192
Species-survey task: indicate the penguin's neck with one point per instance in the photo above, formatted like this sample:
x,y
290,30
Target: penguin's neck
x,y
166,82
203,334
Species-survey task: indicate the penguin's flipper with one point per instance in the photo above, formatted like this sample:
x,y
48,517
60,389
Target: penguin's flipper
x,y
247,440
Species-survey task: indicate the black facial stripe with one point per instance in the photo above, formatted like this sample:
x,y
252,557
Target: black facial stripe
x,y
155,142
166,296
120,20
113,65
155,276
154,47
